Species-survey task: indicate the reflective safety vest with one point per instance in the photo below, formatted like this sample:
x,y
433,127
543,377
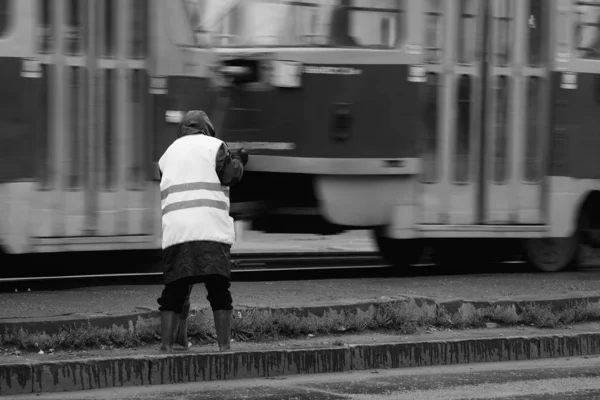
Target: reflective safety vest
x,y
195,206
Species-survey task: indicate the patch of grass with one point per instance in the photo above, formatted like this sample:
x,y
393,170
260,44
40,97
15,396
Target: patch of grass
x,y
261,325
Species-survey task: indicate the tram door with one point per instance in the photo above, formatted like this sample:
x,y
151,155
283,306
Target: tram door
x,y
94,173
486,111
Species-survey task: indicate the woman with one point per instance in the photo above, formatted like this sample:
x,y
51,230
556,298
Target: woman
x,y
196,173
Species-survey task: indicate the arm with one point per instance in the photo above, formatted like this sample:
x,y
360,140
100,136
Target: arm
x,y
157,173
229,169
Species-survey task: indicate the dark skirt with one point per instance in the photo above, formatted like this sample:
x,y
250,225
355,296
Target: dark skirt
x,y
196,260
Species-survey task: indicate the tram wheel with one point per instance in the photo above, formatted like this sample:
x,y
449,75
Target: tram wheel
x,y
552,254
398,252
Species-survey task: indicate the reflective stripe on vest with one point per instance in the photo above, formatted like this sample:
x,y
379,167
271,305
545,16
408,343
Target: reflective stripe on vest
x,y
167,206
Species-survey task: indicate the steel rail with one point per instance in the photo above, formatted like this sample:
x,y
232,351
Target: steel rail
x,y
149,274
246,264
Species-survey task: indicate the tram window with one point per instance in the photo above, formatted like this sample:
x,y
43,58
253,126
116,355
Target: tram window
x,y
462,147
108,133
532,153
364,15
563,29
502,43
46,22
76,24
139,90
229,30
587,29
430,123
467,35
324,23
195,11
76,114
537,29
433,31
385,32
140,15
5,9
501,103
72,117
109,28
45,126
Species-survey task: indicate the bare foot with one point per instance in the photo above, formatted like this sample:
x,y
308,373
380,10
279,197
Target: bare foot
x,y
183,344
166,349
182,339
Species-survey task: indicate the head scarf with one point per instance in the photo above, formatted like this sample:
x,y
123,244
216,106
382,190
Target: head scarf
x,y
195,122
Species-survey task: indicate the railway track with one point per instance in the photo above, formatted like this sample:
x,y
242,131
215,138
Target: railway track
x,y
259,266
243,266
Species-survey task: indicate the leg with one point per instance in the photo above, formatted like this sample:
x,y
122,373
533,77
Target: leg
x,y
221,303
167,322
181,334
171,301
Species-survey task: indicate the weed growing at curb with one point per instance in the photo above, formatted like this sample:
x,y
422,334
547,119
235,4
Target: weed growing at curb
x,y
265,325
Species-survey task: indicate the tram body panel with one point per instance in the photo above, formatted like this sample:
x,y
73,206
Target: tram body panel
x,y
18,108
353,99
369,200
97,99
576,141
368,113
336,129
476,175
551,162
18,152
352,112
574,167
182,93
83,123
18,136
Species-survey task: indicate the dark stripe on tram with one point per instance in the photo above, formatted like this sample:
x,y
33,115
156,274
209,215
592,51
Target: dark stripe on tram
x,y
184,205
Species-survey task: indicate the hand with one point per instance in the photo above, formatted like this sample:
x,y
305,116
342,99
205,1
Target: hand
x,y
242,155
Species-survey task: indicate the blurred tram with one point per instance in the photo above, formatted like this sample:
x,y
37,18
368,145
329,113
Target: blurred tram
x,y
423,120
427,121
85,86
92,91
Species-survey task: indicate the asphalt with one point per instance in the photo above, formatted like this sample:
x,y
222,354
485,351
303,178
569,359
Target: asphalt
x,y
557,378
107,307
560,379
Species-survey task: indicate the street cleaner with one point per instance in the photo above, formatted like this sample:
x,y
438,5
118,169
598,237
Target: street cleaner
x,y
197,231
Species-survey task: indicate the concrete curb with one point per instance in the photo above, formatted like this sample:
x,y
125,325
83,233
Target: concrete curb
x,y
129,320
99,373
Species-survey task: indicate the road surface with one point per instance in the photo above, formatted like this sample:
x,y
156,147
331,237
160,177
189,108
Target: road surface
x,y
564,379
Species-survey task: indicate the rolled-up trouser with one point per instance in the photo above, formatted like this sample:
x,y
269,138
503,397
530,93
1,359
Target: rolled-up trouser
x,y
177,293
